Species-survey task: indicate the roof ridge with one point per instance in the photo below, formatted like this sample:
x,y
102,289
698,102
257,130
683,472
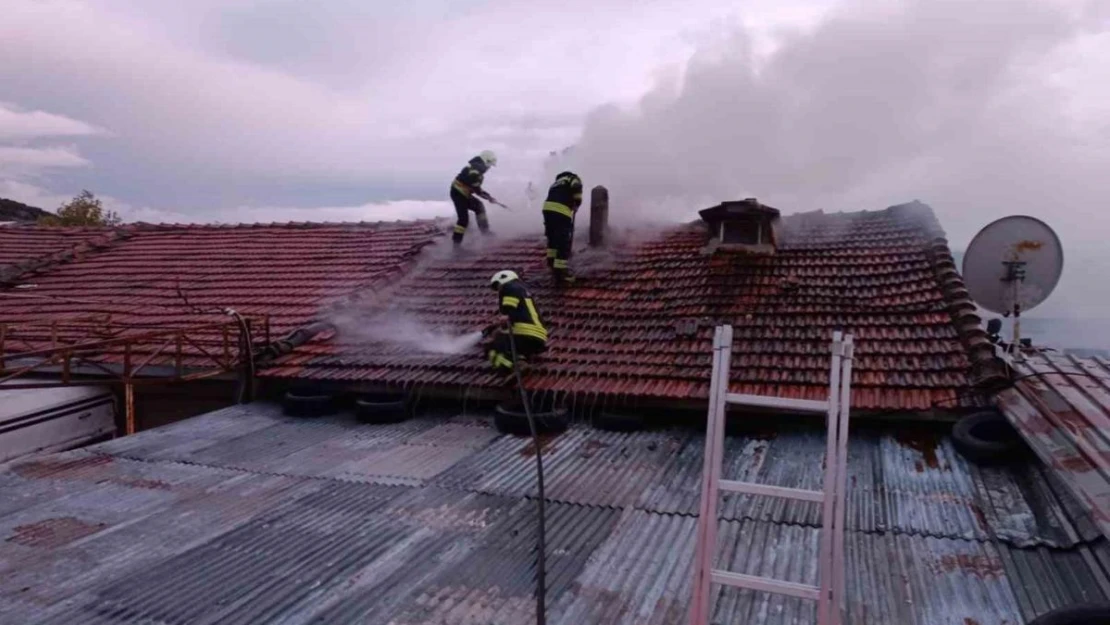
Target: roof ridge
x,y
986,368
293,225
16,272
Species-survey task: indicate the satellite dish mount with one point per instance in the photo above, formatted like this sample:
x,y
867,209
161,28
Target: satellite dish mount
x,y
1015,275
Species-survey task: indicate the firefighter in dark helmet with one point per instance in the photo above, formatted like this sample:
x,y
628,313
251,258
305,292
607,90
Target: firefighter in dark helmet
x,y
563,199
525,323
466,188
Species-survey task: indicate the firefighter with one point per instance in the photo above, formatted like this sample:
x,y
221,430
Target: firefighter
x,y
465,191
563,199
524,322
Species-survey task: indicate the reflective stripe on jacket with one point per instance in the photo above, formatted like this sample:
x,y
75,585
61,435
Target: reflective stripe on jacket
x,y
517,304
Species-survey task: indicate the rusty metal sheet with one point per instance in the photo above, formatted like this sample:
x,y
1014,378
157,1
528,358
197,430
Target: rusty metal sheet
x,y
1061,406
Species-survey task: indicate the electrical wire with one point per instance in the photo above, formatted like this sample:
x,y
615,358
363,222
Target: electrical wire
x,y
541,546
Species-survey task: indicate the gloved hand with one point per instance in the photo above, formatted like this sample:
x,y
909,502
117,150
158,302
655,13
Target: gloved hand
x,y
490,329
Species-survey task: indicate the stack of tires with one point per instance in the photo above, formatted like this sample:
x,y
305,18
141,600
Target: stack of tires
x,y
308,402
511,418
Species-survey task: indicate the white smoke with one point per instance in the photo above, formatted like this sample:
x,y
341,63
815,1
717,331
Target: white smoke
x,y
402,330
980,109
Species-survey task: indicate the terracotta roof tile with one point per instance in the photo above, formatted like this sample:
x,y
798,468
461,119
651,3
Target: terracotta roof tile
x,y
136,280
19,243
640,323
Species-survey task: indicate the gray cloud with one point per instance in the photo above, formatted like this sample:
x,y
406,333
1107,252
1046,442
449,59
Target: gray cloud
x,y
20,125
275,102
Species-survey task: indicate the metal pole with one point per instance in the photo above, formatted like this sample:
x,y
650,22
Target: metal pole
x,y
1017,321
227,348
129,408
177,365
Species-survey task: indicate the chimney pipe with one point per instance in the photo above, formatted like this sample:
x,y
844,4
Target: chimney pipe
x,y
599,215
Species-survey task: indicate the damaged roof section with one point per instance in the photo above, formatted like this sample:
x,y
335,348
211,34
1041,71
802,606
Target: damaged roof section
x,y
26,249
363,533
1061,406
639,324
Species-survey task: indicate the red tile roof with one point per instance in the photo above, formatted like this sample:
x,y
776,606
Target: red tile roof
x,y
20,245
137,278
640,324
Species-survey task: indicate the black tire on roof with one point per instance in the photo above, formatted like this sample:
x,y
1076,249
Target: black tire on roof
x,y
614,422
1080,614
513,420
302,403
986,438
379,409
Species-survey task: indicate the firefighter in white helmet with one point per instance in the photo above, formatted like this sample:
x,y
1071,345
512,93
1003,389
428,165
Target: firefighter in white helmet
x,y
524,322
466,188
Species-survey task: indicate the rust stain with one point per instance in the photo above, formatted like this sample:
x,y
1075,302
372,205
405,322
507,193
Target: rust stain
x,y
979,516
924,443
53,532
763,435
977,565
1077,464
148,484
529,450
971,621
64,469
591,446
1028,246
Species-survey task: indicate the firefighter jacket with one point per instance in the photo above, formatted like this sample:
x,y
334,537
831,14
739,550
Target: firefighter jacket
x,y
470,178
565,196
524,319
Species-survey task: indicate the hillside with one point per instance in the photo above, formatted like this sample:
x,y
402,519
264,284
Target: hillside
x,y
10,210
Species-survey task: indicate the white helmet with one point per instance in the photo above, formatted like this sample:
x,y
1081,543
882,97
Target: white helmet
x,y
488,157
501,278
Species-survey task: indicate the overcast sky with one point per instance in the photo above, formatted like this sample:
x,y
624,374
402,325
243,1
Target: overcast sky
x,y
270,110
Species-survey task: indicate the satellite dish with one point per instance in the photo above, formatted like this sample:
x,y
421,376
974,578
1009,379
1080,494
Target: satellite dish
x,y
1013,265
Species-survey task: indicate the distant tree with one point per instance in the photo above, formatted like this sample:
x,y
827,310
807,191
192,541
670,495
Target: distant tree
x,y
83,210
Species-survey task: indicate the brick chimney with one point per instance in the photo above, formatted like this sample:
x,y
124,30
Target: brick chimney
x,y
599,216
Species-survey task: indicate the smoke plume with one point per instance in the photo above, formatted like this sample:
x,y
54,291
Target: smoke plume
x,y
979,109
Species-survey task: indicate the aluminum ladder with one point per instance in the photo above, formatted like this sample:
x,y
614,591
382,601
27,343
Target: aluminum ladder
x,y
829,593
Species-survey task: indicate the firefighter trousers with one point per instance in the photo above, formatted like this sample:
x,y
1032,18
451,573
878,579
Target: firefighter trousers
x,y
464,205
559,230
500,353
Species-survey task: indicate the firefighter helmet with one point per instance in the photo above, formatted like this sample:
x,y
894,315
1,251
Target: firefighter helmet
x,y
501,278
488,157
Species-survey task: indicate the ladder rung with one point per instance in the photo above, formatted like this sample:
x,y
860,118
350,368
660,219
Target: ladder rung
x,y
805,591
782,403
771,491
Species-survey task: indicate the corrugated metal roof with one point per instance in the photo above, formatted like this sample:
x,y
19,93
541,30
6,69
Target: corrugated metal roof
x,y
1061,406
434,524
910,483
